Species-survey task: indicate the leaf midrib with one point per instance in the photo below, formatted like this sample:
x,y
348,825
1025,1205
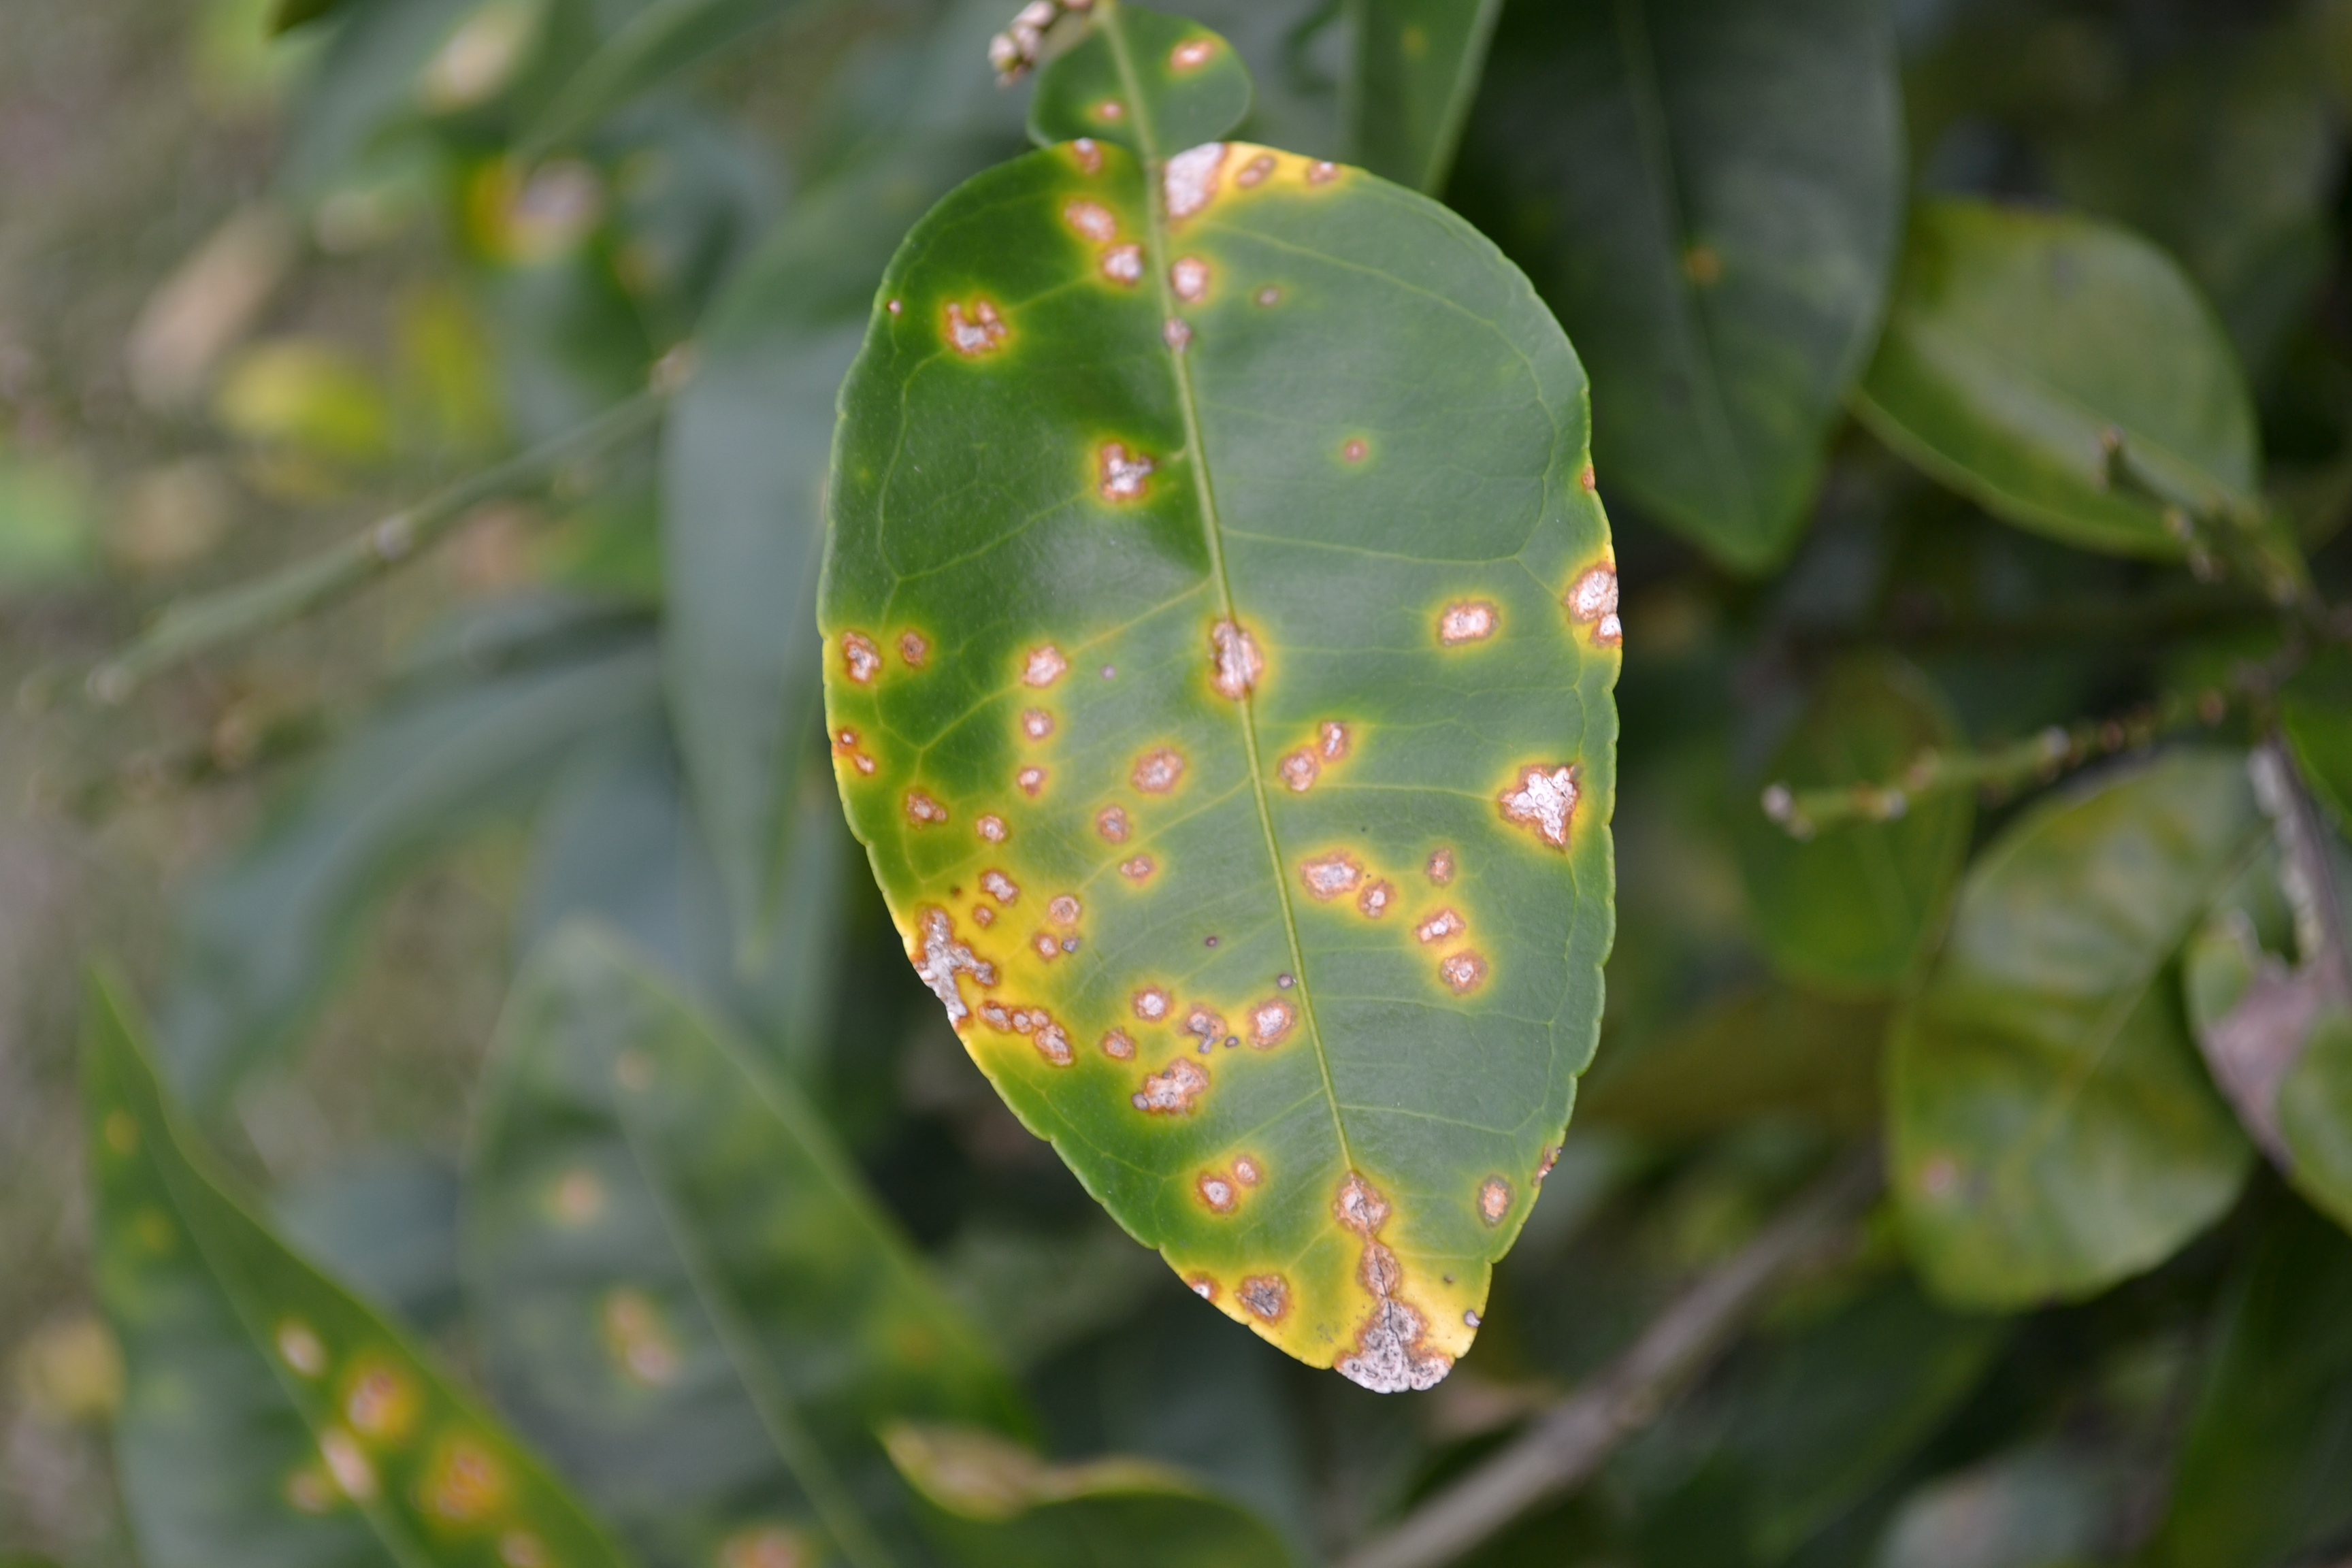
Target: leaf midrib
x,y
1156,230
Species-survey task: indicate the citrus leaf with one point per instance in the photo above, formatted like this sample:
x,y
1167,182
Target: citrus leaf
x,y
2314,1116
2053,1129
743,461
1846,908
995,1505
1779,1051
1710,193
1417,67
258,937
2062,372
659,41
270,1416
2264,1474
681,1285
1220,639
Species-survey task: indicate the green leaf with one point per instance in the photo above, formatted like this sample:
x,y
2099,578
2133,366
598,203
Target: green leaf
x,y
2264,1474
1711,196
1210,712
289,15
995,1505
1153,84
258,938
1416,70
2314,1113
2053,1129
271,1417
681,1286
2063,374
743,480
1779,1051
2316,715
662,39
386,1223
1847,907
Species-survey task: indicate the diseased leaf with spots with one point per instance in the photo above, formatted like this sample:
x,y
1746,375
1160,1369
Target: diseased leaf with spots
x,y
992,1504
2264,1472
682,1288
1846,907
2052,1129
1710,193
1219,635
269,1416
2062,372
1417,67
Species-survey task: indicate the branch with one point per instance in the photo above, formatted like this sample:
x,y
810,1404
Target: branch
x,y
1564,1447
197,626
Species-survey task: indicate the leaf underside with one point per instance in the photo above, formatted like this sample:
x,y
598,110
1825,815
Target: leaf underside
x,y
1219,622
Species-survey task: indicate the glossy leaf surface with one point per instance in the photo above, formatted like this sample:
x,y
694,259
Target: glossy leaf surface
x,y
2062,372
2052,1128
744,461
1711,196
1418,65
260,936
2264,1474
1218,625
270,1416
682,1286
1847,907
996,1505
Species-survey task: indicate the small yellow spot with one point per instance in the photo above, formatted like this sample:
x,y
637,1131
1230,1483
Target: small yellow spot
x,y
895,306
859,657
1174,1091
1266,1296
381,1404
1441,866
1111,822
1702,266
1123,264
466,1484
1299,770
1091,219
1543,801
299,1348
1462,972
923,811
766,1546
1330,876
1466,620
1494,1200
121,1133
639,1340
1269,296
578,1198
982,331
1156,771
1591,480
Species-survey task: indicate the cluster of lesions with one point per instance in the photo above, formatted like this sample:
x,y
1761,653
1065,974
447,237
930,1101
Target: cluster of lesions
x,y
864,660
379,1412
1197,178
1343,878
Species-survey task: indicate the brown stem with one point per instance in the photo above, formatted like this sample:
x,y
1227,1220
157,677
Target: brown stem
x,y
1563,1448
